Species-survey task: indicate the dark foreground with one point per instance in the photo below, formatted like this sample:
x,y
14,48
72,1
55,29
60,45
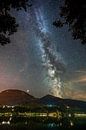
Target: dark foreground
x,y
41,118
39,127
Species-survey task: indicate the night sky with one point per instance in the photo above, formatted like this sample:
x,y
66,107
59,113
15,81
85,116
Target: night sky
x,y
42,59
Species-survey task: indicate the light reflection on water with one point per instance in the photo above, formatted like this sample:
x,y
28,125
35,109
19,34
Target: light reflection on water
x,y
39,126
23,123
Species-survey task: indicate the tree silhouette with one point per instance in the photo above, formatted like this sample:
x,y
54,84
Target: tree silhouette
x,y
8,23
73,13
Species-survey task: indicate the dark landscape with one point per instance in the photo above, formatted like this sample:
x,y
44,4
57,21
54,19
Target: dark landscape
x,y
20,110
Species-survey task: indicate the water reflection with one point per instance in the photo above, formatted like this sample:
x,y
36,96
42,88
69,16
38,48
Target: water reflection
x,y
51,125
36,123
42,118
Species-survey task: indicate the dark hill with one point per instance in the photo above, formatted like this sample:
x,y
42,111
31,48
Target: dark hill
x,y
51,100
14,97
75,103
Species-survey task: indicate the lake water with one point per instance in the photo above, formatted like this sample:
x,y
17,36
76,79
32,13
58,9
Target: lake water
x,y
33,126
41,123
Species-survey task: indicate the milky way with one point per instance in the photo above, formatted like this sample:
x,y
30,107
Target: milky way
x,y
51,59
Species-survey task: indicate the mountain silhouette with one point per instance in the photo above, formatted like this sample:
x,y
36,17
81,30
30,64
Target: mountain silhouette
x,y
19,97
50,100
56,101
14,97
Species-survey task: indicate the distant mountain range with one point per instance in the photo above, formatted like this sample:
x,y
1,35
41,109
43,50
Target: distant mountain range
x,y
51,100
16,97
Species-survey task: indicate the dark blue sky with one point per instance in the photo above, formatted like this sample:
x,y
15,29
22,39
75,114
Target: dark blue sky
x,y
42,58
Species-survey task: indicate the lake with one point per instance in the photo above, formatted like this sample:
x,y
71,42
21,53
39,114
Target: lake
x,y
39,126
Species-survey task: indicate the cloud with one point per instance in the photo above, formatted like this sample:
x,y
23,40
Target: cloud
x,y
81,79
81,71
74,94
75,85
76,77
